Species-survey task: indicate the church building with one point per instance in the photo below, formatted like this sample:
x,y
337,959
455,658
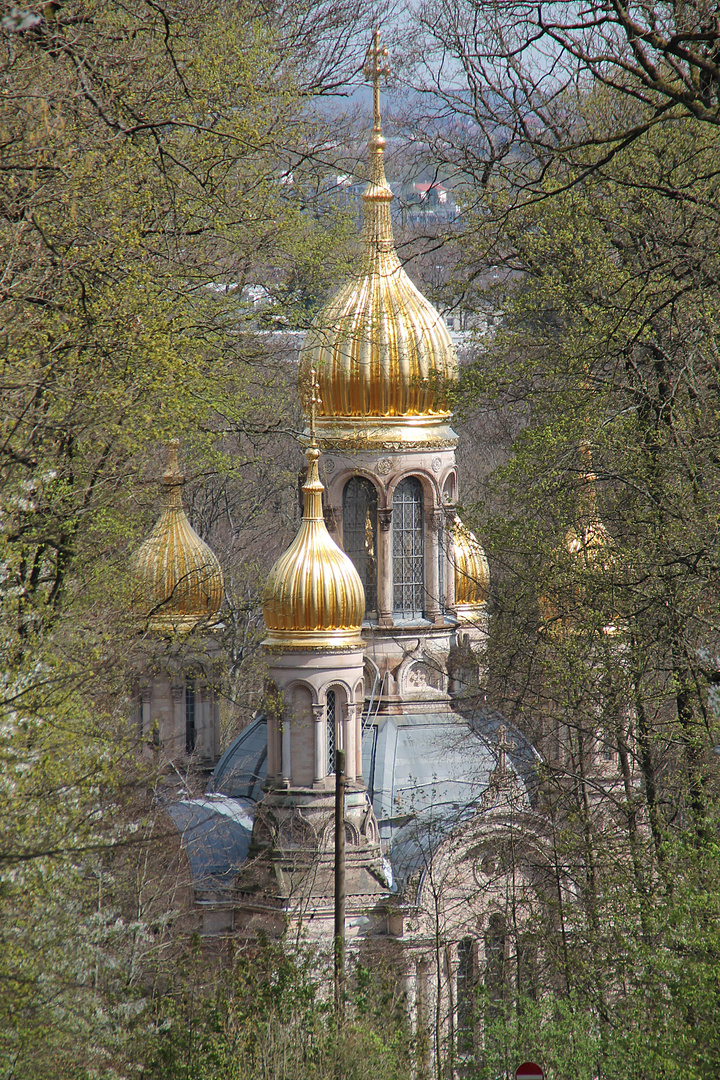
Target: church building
x,y
376,624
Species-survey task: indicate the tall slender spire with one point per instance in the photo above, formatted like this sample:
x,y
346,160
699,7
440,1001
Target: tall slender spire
x,y
381,352
377,195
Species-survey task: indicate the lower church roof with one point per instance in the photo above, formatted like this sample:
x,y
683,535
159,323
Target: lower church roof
x,y
429,766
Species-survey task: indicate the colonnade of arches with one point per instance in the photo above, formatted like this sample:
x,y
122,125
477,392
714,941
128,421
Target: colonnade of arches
x,y
405,575
315,725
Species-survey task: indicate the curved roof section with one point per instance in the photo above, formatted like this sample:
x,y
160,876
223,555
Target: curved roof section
x,y
472,573
215,833
313,596
379,347
178,579
242,770
434,764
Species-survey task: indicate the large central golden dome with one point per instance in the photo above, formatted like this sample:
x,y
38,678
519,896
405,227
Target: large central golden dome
x,y
380,349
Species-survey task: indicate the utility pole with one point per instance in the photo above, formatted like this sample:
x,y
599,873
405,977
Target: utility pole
x,y
339,884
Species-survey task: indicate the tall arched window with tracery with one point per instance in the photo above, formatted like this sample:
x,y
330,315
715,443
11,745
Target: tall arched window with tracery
x,y
360,535
330,721
408,549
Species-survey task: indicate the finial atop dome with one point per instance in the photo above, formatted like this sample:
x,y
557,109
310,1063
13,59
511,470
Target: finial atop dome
x,y
382,353
591,538
179,579
377,195
314,598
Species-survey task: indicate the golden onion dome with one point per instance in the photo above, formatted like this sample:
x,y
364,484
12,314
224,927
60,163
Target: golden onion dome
x,y
380,349
314,598
590,541
586,550
472,573
179,582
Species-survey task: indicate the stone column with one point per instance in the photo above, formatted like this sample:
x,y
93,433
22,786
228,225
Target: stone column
x,y
358,742
385,567
177,735
432,574
349,741
273,762
319,733
409,978
215,726
285,751
449,564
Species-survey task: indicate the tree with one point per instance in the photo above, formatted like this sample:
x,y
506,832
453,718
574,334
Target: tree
x,y
504,75
605,620
141,152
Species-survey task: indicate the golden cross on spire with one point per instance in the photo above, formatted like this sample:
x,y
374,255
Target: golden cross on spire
x,y
315,400
374,68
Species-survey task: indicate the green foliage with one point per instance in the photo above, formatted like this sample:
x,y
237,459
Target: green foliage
x,y
272,1016
140,153
604,547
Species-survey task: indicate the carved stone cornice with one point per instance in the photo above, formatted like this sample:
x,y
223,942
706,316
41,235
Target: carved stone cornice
x,y
385,518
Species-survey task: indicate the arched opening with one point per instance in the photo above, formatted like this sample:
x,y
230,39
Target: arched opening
x,y
496,977
408,549
467,984
360,535
190,730
331,730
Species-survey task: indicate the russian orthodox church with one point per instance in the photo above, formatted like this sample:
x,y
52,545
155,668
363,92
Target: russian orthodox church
x,y
377,622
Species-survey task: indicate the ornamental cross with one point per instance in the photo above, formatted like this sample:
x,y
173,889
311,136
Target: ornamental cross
x,y
315,400
374,68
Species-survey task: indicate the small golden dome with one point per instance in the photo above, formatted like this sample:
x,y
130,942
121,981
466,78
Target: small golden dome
x,y
380,349
179,579
586,551
472,573
314,598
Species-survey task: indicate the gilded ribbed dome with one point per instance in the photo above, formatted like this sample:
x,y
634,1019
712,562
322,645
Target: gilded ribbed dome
x,y
586,551
314,598
380,349
179,581
472,574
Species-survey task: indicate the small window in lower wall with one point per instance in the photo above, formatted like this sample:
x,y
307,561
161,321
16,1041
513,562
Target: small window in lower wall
x,y
190,716
467,978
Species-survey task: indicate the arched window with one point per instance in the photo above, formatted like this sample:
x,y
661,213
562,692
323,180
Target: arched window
x,y
466,996
360,534
495,964
190,733
330,727
408,549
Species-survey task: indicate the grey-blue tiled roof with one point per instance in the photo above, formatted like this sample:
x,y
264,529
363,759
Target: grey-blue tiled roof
x,y
435,764
242,770
215,832
416,763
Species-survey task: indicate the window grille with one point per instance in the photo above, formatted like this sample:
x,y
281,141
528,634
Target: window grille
x,y
330,725
408,549
360,534
190,716
495,964
441,566
466,996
